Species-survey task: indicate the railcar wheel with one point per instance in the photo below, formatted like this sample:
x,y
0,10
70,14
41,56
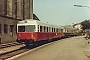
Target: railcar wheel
x,y
27,44
34,44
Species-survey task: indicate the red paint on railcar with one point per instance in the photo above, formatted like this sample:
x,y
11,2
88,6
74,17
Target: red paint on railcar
x,y
38,36
25,35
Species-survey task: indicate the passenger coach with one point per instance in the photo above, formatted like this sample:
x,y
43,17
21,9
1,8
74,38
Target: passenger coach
x,y
32,31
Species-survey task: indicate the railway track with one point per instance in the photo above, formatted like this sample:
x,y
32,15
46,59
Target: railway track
x,y
9,49
7,55
9,45
15,52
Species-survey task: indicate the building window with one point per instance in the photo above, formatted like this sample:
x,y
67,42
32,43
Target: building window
x,y
0,28
11,30
5,28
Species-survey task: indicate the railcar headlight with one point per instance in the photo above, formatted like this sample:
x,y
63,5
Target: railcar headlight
x,y
32,35
56,33
18,39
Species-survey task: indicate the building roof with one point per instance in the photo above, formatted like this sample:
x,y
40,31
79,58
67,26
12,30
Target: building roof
x,y
35,17
5,16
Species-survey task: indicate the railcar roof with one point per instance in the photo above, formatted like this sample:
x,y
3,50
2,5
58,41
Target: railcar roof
x,y
34,22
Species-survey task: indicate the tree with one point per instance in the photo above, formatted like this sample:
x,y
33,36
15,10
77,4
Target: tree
x,y
85,24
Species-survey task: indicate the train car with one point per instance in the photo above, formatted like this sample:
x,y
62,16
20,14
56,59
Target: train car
x,y
69,32
32,31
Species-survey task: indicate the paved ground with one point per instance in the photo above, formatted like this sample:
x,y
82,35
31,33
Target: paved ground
x,y
75,48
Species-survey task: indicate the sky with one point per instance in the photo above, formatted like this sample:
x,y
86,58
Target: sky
x,y
61,12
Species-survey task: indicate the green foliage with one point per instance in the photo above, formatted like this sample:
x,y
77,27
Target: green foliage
x,y
85,24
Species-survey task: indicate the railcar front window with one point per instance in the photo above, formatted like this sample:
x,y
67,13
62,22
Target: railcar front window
x,y
30,28
21,28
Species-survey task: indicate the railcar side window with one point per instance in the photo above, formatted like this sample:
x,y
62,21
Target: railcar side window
x,y
47,29
52,29
57,30
61,30
21,28
44,28
40,28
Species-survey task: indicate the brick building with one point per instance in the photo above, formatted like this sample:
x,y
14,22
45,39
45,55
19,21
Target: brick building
x,y
12,11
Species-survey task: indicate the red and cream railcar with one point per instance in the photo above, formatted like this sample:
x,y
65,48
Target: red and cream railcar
x,y
31,31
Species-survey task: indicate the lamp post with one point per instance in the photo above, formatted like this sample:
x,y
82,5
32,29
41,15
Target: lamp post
x,y
81,6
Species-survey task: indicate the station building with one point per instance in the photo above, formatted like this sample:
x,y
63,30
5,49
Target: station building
x,y
7,29
12,11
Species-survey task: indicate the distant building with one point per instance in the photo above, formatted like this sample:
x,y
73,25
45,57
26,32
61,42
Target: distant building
x,y
78,26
